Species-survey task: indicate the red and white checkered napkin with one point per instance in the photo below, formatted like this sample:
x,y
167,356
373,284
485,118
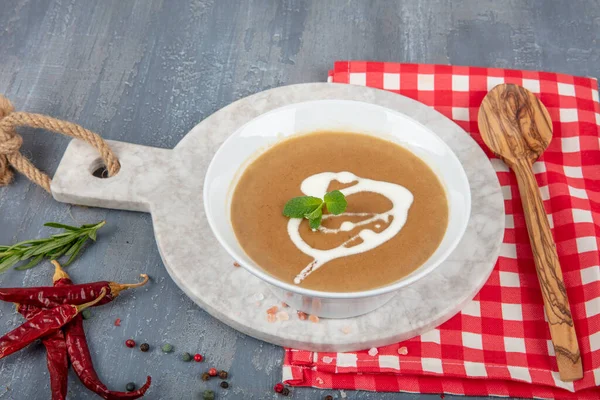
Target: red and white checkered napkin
x,y
499,344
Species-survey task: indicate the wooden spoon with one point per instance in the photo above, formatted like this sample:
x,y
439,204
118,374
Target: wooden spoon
x,y
516,126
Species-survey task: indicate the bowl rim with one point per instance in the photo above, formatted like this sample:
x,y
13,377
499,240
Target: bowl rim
x,y
263,275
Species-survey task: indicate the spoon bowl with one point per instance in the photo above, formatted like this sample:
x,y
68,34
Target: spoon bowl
x,y
514,124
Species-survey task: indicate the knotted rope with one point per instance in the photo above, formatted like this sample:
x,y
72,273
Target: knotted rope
x,y
10,143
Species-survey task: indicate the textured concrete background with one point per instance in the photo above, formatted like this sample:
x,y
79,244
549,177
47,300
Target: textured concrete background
x,y
147,71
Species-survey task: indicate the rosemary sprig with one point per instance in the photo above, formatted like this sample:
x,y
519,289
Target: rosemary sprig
x,y
67,243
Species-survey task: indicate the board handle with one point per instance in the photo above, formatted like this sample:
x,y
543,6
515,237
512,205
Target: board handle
x,y
556,303
142,171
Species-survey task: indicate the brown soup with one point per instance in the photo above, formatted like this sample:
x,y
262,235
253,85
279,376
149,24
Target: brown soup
x,y
276,176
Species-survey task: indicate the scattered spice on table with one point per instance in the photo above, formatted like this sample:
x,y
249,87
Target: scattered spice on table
x,y
68,243
130,343
86,314
208,395
313,318
212,372
167,348
328,397
81,361
118,322
186,357
403,351
284,304
79,352
236,264
373,351
198,357
57,360
205,376
52,296
278,388
273,310
130,387
223,374
302,315
282,316
144,347
61,307
44,323
224,384
271,318
285,391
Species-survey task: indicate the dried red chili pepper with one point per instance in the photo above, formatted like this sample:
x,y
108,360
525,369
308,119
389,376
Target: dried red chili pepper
x,y
56,347
79,353
42,324
56,356
49,296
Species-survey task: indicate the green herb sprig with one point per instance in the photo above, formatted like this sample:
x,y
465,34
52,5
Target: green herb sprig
x,y
311,208
68,243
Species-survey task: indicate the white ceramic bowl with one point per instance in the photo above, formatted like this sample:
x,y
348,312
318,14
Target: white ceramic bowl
x,y
249,141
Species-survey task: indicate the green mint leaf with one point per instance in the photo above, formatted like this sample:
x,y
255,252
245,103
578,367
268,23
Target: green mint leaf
x,y
317,213
336,202
315,222
298,207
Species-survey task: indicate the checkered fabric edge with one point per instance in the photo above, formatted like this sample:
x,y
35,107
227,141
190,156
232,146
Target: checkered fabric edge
x,y
499,345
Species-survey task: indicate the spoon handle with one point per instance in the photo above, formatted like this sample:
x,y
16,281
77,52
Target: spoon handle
x,y
550,276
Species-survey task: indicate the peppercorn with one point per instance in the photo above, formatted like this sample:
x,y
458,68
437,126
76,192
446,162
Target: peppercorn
x,y
285,392
329,397
212,372
223,374
186,357
278,388
208,395
144,347
198,357
205,376
224,384
86,314
130,343
167,348
130,387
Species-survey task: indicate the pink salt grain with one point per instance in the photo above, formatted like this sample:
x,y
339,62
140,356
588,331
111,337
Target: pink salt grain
x,y
302,315
373,351
282,316
403,351
327,360
236,264
313,318
271,318
284,305
272,310
346,330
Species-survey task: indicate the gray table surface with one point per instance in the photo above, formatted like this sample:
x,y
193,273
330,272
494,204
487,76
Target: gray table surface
x,y
147,71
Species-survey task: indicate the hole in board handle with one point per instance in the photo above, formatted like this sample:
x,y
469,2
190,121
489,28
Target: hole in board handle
x,y
98,169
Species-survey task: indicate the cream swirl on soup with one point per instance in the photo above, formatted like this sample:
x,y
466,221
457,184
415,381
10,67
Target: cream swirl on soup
x,y
316,185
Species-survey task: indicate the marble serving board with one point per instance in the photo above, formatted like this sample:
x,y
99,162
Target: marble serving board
x,y
168,184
